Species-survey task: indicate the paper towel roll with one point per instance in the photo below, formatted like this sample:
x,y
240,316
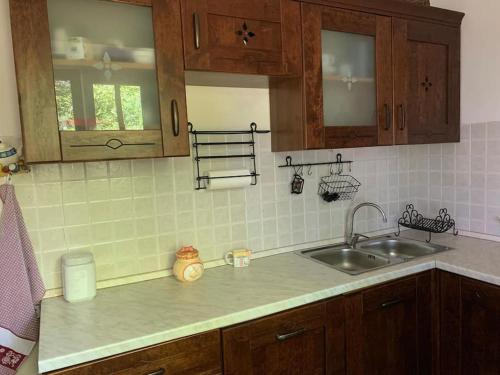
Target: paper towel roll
x,y
228,183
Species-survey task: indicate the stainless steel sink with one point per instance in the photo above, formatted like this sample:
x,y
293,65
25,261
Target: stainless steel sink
x,y
401,247
371,254
348,260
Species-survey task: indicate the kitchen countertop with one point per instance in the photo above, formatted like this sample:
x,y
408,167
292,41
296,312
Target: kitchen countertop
x,y
134,316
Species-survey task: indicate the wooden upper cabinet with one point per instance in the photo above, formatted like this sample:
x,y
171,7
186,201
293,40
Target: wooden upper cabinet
x,y
426,82
347,78
241,36
100,80
292,342
374,73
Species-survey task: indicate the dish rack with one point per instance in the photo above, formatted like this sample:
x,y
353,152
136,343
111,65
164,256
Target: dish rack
x,y
412,219
338,187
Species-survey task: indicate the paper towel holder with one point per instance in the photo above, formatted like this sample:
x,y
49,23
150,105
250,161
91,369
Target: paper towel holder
x,y
201,180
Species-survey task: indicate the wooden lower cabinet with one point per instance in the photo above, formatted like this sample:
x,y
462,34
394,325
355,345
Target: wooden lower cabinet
x,y
470,326
195,355
389,328
292,342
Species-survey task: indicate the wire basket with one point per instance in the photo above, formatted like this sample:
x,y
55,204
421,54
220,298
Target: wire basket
x,y
338,187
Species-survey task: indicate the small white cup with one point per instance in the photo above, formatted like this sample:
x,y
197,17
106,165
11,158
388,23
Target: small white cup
x,y
238,258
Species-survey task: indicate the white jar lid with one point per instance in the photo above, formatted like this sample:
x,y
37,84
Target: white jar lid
x,y
77,258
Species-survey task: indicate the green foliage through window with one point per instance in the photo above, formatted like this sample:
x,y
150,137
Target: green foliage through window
x,y
132,107
64,101
105,107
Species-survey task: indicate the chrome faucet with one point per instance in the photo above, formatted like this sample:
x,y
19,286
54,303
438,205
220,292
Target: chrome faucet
x,y
352,239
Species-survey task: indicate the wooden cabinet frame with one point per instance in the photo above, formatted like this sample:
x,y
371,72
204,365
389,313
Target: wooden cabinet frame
x,y
318,134
35,78
418,46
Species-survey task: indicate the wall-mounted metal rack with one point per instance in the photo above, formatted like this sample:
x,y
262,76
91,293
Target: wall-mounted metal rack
x,y
334,187
202,180
338,161
412,219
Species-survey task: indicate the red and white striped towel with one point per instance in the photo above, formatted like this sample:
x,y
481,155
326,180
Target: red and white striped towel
x,y
21,287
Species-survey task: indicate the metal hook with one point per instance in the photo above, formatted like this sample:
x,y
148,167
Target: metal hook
x,y
340,169
340,165
288,161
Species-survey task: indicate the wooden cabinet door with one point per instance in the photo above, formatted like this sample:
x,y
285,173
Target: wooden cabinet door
x,y
470,326
347,78
195,355
389,328
235,36
426,82
288,343
109,85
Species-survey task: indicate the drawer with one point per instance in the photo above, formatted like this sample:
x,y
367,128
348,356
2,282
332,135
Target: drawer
x,y
391,294
292,342
195,355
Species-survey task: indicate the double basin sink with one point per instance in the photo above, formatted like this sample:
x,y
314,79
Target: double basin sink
x,y
372,254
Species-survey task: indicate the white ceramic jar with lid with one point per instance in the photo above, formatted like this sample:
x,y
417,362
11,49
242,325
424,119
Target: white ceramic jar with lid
x,y
79,278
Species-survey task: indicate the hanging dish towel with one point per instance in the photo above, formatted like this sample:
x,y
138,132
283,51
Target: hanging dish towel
x,y
21,287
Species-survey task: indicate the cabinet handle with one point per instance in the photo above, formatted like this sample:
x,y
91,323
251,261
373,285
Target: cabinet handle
x,y
175,118
157,372
391,303
388,119
287,336
196,23
402,115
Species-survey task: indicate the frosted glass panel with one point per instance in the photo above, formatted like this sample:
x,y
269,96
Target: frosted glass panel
x,y
349,92
104,65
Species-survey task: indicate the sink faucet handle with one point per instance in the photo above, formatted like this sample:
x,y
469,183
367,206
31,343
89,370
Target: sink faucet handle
x,y
355,239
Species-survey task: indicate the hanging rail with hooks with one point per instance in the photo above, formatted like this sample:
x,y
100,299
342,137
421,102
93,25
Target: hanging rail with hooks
x,y
338,161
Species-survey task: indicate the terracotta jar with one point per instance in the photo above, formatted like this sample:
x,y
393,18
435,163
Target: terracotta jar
x,y
188,266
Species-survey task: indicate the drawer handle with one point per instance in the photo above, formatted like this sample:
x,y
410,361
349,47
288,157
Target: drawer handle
x,y
175,118
388,120
196,23
391,303
287,336
157,372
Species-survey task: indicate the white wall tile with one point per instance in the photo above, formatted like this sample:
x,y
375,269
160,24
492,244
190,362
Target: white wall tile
x,y
135,214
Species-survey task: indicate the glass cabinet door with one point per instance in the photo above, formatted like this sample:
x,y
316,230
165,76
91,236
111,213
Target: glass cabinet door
x,y
348,75
349,92
104,66
100,79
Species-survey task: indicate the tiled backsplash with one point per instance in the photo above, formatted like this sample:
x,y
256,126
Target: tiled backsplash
x,y
463,177
133,215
